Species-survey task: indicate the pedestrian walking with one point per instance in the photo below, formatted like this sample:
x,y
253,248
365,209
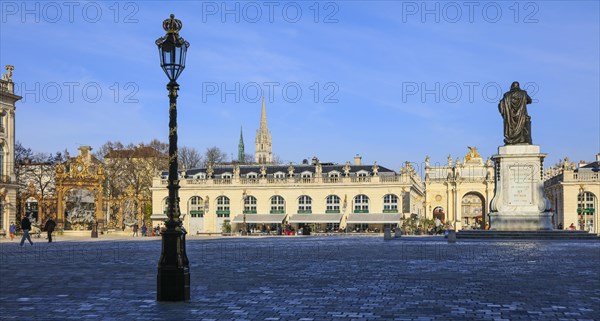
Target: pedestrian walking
x,y
26,226
144,229
50,225
12,230
135,229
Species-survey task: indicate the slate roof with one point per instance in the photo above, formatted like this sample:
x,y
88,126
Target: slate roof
x,y
593,167
298,169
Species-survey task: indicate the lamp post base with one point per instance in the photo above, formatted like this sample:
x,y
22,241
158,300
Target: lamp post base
x,y
95,230
173,279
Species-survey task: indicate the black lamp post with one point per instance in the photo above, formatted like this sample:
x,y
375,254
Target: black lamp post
x,y
173,281
244,225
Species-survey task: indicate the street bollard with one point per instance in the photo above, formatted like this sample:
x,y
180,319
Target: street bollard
x,y
452,236
387,234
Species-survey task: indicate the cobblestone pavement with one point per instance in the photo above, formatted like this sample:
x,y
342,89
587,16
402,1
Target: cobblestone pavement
x,y
306,278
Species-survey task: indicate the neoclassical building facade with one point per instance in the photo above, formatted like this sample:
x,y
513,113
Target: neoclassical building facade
x,y
324,196
459,192
573,191
8,183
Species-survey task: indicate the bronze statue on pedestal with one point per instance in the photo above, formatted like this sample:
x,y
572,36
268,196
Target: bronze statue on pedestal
x,y
517,123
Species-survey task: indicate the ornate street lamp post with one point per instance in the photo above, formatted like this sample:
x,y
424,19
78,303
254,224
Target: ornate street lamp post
x,y
245,227
580,211
173,281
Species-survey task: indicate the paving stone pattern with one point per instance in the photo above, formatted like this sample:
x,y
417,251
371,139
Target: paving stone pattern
x,y
306,278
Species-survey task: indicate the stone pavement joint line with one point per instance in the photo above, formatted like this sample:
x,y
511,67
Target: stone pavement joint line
x,y
313,278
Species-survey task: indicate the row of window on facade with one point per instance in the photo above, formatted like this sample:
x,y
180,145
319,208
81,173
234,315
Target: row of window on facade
x,y
278,175
197,206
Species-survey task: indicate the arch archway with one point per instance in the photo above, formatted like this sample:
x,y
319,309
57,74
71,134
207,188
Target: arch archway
x,y
473,211
32,205
438,212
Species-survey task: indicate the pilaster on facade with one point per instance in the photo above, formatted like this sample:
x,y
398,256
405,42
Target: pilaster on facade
x,y
8,184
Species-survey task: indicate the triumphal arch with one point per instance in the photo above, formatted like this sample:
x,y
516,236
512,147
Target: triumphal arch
x,y
459,192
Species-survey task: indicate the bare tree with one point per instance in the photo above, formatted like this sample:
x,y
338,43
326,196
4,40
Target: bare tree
x,y
189,157
214,155
277,160
248,159
163,148
106,148
134,164
36,169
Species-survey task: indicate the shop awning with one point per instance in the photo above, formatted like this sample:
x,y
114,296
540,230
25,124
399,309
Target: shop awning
x,y
259,218
390,218
316,218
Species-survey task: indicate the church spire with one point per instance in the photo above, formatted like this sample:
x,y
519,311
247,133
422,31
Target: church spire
x,y
264,152
241,152
263,116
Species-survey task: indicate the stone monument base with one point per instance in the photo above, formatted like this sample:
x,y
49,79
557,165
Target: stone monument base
x,y
519,203
520,221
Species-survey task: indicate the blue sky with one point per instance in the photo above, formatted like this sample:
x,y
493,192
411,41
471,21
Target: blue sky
x,y
396,80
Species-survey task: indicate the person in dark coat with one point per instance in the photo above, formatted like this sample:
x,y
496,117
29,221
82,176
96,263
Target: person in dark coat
x,y
135,229
26,226
50,225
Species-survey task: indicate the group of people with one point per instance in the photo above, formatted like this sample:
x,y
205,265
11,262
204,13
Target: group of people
x,y
145,231
26,227
50,226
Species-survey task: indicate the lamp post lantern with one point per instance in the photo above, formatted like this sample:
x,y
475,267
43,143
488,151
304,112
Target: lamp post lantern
x,y
173,279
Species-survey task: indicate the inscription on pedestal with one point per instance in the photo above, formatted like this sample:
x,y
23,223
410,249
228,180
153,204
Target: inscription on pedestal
x,y
520,185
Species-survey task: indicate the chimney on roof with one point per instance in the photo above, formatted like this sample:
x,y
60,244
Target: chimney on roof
x,y
598,157
357,160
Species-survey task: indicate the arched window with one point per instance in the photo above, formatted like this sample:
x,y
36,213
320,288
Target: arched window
x,y
250,205
587,201
304,204
333,204
31,209
252,175
196,206
223,206
390,203
362,176
306,177
361,204
277,205
199,176
334,176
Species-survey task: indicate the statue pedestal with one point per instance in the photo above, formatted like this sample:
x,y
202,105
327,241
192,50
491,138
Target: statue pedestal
x,y
519,203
